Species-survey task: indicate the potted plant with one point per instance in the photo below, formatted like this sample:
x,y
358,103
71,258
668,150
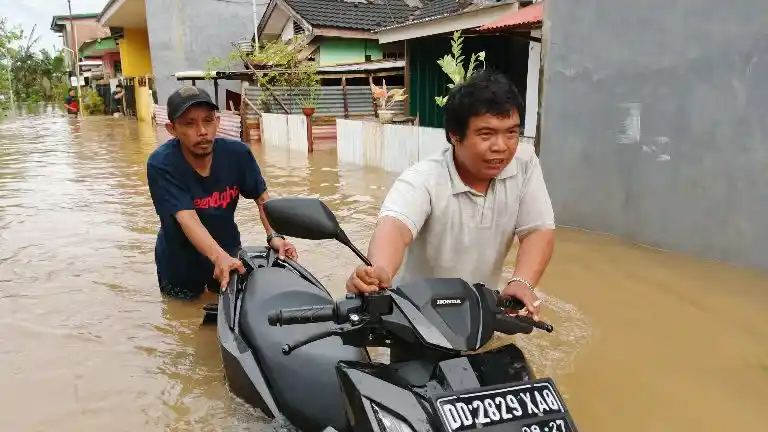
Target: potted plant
x,y
385,99
307,85
307,100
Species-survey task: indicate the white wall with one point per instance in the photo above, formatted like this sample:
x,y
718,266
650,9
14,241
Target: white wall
x,y
532,86
390,147
284,131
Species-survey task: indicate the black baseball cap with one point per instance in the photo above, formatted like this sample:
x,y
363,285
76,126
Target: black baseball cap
x,y
183,98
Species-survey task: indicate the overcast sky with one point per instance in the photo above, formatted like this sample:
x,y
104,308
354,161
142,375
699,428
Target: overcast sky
x,y
27,13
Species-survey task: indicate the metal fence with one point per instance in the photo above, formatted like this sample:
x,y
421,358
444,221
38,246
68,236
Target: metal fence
x,y
229,126
390,147
330,102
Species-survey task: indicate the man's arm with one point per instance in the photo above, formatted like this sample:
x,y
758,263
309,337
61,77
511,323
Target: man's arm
x,y
403,213
534,254
534,226
264,197
254,186
199,236
388,243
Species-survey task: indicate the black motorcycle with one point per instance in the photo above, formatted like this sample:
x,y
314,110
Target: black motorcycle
x,y
291,351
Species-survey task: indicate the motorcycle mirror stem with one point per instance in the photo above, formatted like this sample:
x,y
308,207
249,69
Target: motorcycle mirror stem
x,y
342,238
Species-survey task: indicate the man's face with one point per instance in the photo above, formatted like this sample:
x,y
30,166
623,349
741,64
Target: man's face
x,y
489,145
196,129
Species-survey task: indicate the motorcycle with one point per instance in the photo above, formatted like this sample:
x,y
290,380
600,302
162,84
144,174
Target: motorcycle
x,y
292,351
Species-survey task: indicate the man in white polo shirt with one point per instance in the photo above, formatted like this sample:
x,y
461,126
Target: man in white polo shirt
x,y
456,214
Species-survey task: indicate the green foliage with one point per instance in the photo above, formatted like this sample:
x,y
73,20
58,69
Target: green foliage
x,y
33,75
60,91
276,64
92,102
453,65
307,85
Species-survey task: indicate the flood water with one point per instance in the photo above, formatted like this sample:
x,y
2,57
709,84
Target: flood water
x,y
644,340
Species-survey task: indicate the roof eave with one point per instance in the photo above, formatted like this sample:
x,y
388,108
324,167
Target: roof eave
x,y
463,20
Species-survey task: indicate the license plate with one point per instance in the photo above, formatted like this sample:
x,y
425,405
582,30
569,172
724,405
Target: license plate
x,y
534,406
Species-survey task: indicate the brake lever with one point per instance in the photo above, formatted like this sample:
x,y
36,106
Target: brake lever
x,y
287,349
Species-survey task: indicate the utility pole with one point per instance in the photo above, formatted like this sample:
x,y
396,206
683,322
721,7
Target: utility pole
x,y
256,26
77,58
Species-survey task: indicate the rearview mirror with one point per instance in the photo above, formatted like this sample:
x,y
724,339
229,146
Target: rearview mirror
x,y
306,218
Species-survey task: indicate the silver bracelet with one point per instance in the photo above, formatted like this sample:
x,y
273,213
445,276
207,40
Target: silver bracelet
x,y
522,281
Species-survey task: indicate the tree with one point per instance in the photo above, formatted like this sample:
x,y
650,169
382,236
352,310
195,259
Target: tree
x,y
35,76
8,37
278,70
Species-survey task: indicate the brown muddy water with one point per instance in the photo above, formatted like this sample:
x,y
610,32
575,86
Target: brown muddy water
x,y
644,340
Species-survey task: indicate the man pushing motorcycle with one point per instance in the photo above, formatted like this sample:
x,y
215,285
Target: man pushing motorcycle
x,y
195,180
456,214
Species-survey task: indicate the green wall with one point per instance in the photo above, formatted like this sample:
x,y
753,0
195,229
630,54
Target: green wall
x,y
339,51
427,80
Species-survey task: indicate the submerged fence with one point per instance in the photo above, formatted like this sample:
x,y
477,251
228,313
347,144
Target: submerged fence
x,y
229,126
331,101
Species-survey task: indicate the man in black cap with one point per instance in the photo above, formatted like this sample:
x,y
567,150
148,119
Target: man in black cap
x,y
195,180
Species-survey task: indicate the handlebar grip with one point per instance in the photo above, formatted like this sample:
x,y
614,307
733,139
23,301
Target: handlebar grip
x,y
541,325
510,325
508,303
301,315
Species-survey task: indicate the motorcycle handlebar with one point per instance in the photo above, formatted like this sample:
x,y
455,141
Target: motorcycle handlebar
x,y
516,304
302,315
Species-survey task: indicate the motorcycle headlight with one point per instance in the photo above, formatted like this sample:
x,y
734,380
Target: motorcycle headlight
x,y
389,422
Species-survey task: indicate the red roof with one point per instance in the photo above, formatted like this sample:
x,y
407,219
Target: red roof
x,y
528,15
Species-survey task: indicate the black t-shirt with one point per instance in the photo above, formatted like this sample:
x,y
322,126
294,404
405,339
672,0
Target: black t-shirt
x,y
174,186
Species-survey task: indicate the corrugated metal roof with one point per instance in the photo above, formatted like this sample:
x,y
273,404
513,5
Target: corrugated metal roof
x,y
528,15
367,66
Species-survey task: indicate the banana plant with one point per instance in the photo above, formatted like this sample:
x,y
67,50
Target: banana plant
x,y
453,65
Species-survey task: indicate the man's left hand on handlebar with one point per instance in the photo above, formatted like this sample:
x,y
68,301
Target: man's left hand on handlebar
x,y
284,248
523,293
368,279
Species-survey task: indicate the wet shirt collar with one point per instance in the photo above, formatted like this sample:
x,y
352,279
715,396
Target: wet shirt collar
x,y
458,186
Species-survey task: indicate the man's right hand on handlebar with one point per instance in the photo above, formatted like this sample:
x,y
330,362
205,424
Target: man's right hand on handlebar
x,y
367,279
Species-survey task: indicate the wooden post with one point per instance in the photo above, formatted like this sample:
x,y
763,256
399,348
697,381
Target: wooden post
x,y
407,81
216,92
310,140
344,94
537,140
245,130
373,97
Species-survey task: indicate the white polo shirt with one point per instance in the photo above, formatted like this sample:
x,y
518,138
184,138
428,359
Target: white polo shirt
x,y
459,232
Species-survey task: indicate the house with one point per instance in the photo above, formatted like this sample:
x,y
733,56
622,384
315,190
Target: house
x,y
106,53
186,35
523,22
127,20
162,37
337,31
84,26
509,32
513,50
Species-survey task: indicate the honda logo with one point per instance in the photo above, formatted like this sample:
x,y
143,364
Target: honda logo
x,y
449,302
